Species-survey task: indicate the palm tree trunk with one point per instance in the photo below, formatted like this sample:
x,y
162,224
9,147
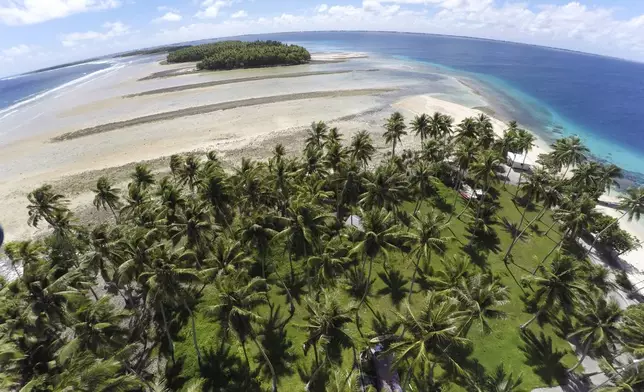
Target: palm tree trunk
x,y
558,245
551,226
116,219
315,351
243,343
507,178
269,363
469,201
194,332
288,295
536,315
290,263
604,230
584,353
478,208
93,293
521,174
413,278
167,334
456,188
518,237
364,296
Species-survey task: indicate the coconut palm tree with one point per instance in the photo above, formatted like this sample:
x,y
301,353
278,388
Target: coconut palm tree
x,y
193,226
257,236
142,176
423,181
304,225
106,196
483,170
43,202
98,327
394,130
385,188
429,333
190,172
557,285
632,330
480,296
361,149
467,129
176,164
326,267
420,126
508,144
569,151
380,235
325,323
167,287
237,299
623,378
463,156
485,130
524,143
440,125
427,239
632,203
609,175
317,133
597,326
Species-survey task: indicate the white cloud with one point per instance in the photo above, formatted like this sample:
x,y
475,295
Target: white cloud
x,y
112,29
22,12
16,51
239,14
211,8
169,17
574,25
165,8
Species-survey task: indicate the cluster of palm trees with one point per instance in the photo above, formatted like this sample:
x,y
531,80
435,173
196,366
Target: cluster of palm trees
x,y
100,308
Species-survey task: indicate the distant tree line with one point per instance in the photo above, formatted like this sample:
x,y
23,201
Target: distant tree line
x,y
238,54
157,50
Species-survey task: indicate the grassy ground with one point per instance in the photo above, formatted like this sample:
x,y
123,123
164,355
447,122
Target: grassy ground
x,y
534,355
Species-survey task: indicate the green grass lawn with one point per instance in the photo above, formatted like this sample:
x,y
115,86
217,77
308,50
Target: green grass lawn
x,y
504,345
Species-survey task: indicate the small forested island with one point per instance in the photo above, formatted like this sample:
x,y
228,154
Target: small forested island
x,y
331,271
157,50
239,54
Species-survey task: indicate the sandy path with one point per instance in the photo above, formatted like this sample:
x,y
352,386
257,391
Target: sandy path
x,y
196,110
240,80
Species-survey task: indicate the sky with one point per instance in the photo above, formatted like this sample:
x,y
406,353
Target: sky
x,y
39,33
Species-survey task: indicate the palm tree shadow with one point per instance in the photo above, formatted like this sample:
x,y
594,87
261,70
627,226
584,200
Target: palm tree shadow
x,y
442,205
174,376
482,241
318,384
296,287
276,344
395,283
543,357
513,229
224,370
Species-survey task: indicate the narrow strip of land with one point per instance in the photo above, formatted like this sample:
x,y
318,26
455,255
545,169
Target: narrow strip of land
x,y
240,80
196,110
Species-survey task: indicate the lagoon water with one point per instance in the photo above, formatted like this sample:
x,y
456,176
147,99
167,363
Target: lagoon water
x,y
552,92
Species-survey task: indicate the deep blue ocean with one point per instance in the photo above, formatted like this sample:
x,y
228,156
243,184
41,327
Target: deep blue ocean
x,y
555,92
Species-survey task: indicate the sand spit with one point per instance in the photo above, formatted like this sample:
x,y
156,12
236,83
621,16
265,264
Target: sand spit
x,y
241,80
215,107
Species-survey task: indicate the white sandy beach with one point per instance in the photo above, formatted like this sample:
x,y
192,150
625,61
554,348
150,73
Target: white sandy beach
x,y
51,142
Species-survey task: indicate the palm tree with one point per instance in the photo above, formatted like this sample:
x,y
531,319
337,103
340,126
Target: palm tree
x,y
423,181
325,324
166,287
499,381
569,151
333,137
361,149
304,225
237,300
194,226
557,285
431,332
394,130
632,203
480,296
467,129
316,135
463,156
142,176
420,126
176,164
508,144
632,330
485,130
623,378
189,173
524,143
597,326
328,266
106,195
379,236
98,327
427,239
258,236
440,125
386,188
43,202
484,171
